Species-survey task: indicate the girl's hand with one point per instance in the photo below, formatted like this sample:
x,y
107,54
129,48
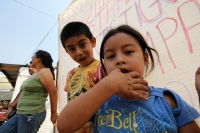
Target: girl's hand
x,y
127,85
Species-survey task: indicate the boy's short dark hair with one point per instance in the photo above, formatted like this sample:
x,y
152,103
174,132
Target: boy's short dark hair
x,y
74,29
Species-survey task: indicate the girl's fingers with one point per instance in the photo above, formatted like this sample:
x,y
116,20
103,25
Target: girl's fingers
x,y
141,87
133,74
139,96
137,79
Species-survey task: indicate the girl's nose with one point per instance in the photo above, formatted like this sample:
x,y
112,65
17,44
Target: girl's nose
x,y
120,60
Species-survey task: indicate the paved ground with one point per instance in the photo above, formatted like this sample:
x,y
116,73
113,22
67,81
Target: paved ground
x,y
47,126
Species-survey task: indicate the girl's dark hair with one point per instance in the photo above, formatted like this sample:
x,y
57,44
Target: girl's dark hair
x,y
135,34
46,60
74,29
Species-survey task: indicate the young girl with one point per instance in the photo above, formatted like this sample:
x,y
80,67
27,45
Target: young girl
x,y
120,99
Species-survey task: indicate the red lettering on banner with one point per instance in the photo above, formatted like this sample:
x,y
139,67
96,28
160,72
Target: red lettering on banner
x,y
127,1
100,18
92,28
125,14
155,4
138,15
99,5
118,5
185,28
165,38
171,1
102,15
100,37
149,38
109,11
87,15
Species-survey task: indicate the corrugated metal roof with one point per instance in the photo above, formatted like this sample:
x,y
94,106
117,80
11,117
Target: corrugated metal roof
x,y
11,71
5,84
6,95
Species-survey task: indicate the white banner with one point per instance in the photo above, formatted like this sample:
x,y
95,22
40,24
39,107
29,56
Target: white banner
x,y
172,27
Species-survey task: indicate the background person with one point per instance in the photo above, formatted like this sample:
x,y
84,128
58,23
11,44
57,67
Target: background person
x,y
13,105
31,110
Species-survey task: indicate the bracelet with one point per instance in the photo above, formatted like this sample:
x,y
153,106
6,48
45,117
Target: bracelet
x,y
54,112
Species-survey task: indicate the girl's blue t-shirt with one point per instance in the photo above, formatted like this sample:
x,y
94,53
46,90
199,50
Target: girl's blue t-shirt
x,y
152,116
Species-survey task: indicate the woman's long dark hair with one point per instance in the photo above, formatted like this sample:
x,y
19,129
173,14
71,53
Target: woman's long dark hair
x,y
46,60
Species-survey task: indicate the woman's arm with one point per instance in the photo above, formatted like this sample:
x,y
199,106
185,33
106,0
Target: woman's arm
x,y
12,105
46,78
80,110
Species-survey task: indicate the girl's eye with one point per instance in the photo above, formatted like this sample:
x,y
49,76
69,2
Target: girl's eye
x,y
128,52
110,57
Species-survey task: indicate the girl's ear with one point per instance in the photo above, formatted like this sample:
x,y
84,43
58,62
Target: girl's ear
x,y
146,58
93,42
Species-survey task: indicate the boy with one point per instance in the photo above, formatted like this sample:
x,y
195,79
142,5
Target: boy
x,y
79,42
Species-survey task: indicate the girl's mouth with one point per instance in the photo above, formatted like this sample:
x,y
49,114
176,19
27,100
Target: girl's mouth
x,y
124,70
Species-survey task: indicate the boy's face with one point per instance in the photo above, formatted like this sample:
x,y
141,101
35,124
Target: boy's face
x,y
80,48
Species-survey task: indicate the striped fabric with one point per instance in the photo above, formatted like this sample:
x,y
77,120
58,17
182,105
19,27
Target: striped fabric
x,y
33,96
